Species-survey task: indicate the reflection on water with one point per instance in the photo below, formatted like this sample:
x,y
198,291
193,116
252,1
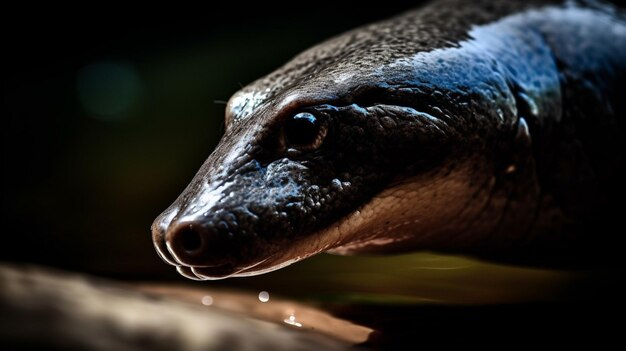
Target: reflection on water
x,y
385,301
413,279
291,320
310,317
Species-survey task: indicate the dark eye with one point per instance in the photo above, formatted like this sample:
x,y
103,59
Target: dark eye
x,y
304,131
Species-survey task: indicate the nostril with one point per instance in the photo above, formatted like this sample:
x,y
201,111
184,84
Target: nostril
x,y
190,240
187,242
199,244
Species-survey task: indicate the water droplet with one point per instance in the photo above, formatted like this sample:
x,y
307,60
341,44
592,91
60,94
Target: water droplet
x,y
291,320
264,296
207,300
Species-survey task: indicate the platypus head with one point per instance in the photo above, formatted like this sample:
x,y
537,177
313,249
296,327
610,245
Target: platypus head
x,y
355,144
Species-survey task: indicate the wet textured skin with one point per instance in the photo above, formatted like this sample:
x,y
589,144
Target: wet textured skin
x,y
491,128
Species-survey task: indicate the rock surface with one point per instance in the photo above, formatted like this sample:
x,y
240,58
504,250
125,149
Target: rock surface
x,y
44,309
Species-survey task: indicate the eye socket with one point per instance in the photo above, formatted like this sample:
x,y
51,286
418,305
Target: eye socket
x,y
304,131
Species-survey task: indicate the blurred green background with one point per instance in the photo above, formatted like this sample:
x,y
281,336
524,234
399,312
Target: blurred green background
x,y
109,111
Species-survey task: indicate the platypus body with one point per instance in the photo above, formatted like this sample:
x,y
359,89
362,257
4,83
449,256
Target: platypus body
x,y
488,128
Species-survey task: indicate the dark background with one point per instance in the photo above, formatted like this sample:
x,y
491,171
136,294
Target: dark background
x,y
109,110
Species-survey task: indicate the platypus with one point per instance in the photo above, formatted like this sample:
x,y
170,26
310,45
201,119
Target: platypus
x,y
485,128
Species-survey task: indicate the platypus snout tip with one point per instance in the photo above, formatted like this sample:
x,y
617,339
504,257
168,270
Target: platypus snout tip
x,y
195,247
159,228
